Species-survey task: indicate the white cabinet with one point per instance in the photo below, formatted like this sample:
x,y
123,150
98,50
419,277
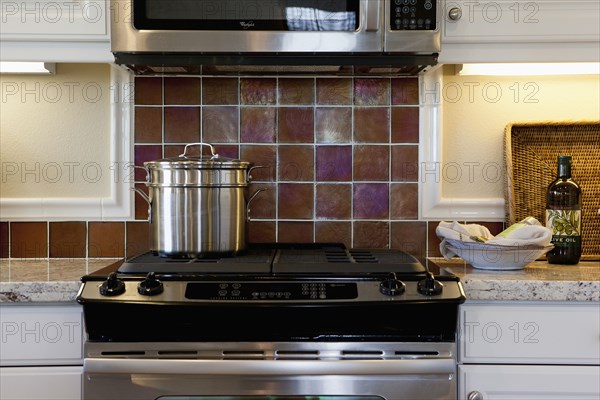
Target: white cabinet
x,y
55,31
529,350
41,352
520,31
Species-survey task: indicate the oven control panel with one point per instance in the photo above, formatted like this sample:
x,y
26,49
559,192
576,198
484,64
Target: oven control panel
x,y
306,290
413,15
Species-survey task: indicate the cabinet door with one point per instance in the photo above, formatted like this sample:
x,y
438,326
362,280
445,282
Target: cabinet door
x,y
41,383
41,335
530,333
50,20
526,382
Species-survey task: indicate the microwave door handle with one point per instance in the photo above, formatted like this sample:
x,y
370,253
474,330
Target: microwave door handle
x,y
372,9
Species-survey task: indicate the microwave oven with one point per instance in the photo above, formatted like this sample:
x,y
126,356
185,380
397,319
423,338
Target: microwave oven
x,y
177,35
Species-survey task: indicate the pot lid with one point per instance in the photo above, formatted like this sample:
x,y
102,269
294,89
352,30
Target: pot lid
x,y
187,161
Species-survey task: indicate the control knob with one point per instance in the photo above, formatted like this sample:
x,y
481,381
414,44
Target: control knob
x,y
429,286
112,286
392,286
150,286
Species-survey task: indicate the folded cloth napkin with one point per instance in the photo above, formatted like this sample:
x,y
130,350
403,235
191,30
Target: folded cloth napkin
x,y
528,232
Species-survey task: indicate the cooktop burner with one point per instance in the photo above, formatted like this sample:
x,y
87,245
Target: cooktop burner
x,y
282,259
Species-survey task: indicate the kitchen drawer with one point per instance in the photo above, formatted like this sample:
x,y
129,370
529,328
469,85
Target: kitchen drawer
x,y
530,333
41,335
51,383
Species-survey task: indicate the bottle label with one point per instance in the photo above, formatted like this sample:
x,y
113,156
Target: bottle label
x,y
565,225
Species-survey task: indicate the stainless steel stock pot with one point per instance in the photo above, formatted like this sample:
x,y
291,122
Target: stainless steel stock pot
x,y
198,204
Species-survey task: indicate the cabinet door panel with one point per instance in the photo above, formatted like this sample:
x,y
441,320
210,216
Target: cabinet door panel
x,y
41,383
522,21
526,382
530,333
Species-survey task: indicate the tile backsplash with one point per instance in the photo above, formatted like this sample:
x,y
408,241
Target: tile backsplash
x,y
340,156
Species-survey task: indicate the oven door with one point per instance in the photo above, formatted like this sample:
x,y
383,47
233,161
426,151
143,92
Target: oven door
x,y
167,379
258,26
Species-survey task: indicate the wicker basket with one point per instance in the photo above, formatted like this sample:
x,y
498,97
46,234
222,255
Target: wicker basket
x,y
530,154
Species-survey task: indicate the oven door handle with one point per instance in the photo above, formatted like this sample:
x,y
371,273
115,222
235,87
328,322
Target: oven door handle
x,y
372,9
270,367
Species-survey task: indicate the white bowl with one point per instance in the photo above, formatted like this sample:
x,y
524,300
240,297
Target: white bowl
x,y
496,257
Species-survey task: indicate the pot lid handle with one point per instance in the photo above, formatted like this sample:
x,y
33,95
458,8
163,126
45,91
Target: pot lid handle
x,y
212,149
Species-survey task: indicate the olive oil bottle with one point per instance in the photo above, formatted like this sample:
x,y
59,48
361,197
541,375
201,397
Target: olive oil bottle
x,y
563,215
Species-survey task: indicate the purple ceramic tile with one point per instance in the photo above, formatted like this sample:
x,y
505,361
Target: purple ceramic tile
x,y
372,125
296,163
334,163
405,125
405,91
334,125
404,199
258,124
296,125
182,124
228,150
259,91
371,235
295,232
142,154
371,91
405,163
296,201
371,163
371,201
220,124
334,91
334,201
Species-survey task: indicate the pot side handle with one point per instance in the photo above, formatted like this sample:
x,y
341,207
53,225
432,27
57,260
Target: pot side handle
x,y
147,199
249,175
250,201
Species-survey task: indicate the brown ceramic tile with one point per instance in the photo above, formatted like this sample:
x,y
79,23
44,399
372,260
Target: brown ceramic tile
x,y
334,201
67,239
371,91
137,238
28,240
411,237
296,91
263,206
334,163
371,163
228,150
296,125
106,239
371,201
295,232
334,232
148,91
404,199
182,91
143,153
257,91
334,91
296,163
142,211
371,235
371,125
265,156
405,125
296,201
405,91
182,124
175,150
334,125
433,242
258,124
4,240
220,91
220,125
405,163
262,232
148,124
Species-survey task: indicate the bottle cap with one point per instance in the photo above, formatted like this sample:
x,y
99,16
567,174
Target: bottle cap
x,y
564,158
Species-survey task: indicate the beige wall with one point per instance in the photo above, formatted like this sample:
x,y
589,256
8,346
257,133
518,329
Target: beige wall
x,y
477,109
55,133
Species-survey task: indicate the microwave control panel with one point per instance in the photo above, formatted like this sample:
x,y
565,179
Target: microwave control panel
x,y
413,15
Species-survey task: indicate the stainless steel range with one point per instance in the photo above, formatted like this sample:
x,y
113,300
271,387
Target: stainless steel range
x,y
278,321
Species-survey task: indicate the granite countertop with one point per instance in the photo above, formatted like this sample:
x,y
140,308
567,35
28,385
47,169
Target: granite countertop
x,y
45,280
58,280
537,281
